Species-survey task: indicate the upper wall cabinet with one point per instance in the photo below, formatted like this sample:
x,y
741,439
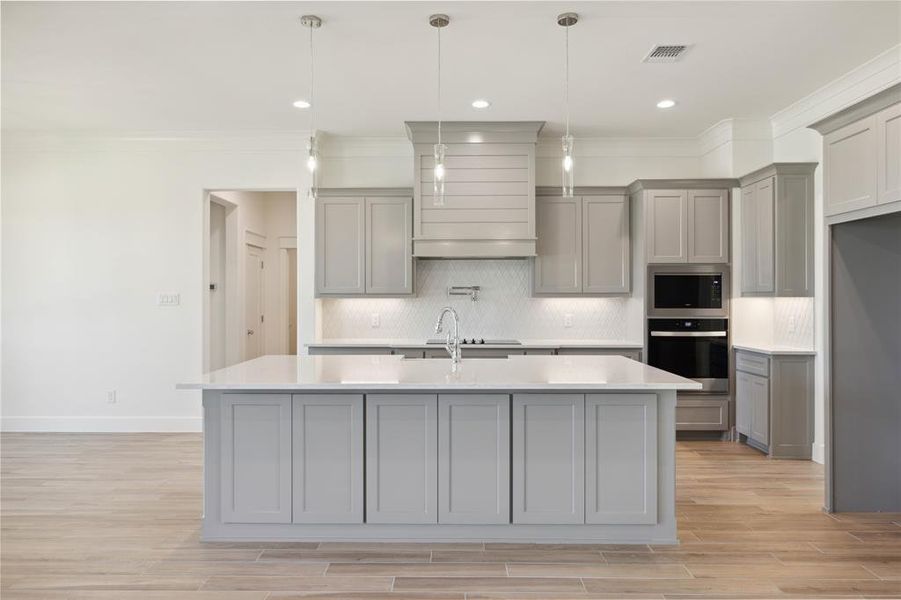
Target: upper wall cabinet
x,y
862,158
686,221
777,230
489,201
364,242
583,243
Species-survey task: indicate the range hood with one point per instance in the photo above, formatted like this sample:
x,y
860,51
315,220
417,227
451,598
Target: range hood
x,y
489,207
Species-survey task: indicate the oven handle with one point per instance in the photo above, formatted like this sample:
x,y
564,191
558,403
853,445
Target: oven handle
x,y
688,334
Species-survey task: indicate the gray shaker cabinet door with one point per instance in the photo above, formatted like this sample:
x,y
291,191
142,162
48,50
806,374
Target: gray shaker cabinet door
x,y
666,226
888,154
557,267
744,397
340,246
389,245
606,256
401,458
708,226
849,167
760,409
255,450
328,458
748,240
548,458
763,227
473,458
621,458
794,235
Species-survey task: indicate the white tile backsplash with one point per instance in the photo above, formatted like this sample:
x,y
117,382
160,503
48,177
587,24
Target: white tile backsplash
x,y
505,308
793,322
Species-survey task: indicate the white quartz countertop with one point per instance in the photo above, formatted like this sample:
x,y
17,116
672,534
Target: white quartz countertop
x,y
419,343
390,372
775,350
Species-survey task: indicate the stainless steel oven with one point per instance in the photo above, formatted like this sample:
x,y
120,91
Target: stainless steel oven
x,y
688,291
693,348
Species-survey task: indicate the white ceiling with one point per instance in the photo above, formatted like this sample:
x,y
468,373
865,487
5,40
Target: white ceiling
x,y
237,66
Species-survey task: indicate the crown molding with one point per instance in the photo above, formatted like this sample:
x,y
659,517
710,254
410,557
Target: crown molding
x,y
875,75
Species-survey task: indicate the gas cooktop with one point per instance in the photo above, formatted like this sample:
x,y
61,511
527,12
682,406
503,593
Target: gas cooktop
x,y
479,342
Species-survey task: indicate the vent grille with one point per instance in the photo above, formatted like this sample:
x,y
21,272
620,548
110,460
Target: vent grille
x,y
665,53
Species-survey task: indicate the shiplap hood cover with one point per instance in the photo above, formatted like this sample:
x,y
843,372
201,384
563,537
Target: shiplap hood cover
x,y
489,207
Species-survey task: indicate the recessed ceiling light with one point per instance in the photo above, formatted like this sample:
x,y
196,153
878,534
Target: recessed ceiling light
x,y
666,104
301,104
480,103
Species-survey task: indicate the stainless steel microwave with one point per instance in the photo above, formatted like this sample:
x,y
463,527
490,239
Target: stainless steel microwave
x,y
688,291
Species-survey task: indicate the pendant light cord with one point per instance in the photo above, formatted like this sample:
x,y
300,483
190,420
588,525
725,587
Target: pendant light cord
x,y
439,85
566,77
312,103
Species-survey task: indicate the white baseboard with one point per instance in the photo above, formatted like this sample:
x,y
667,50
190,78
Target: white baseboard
x,y
102,424
818,453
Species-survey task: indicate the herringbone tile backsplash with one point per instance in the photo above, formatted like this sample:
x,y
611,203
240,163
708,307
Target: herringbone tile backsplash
x,y
505,308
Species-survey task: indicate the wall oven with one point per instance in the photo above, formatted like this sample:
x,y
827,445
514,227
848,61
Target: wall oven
x,y
693,348
688,291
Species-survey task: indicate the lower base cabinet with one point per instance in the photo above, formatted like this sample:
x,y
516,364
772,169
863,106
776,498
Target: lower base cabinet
x,y
774,403
327,458
621,458
548,458
401,458
702,412
473,458
255,458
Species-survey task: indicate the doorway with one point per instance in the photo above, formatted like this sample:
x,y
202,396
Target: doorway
x,y
250,275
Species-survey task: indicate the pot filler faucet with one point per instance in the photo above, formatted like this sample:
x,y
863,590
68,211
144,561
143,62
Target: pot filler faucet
x,y
452,346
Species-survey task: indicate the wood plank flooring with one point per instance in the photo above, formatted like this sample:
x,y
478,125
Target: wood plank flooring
x,y
116,516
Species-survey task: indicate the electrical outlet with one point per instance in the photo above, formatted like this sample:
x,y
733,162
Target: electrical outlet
x,y
165,299
374,320
111,397
567,320
792,324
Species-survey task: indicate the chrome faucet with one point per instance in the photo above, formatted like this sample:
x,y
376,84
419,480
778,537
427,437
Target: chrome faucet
x,y
451,345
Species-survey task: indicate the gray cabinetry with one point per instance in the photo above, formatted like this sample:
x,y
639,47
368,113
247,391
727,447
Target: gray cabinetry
x,y
774,402
777,230
340,245
328,458
685,221
255,454
401,458
364,242
583,244
473,458
633,353
666,226
389,245
702,412
862,158
548,458
621,458
708,226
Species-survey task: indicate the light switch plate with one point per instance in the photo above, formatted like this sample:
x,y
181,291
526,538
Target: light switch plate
x,y
375,320
567,320
168,299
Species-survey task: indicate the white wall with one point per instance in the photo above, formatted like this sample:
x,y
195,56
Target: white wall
x,y
217,297
92,230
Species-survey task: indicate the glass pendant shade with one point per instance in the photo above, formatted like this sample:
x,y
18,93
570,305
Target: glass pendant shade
x,y
312,155
568,166
439,175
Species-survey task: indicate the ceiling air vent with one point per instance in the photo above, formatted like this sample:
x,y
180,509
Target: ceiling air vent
x,y
665,53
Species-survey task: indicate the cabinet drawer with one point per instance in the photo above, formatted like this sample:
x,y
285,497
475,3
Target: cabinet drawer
x,y
749,362
634,354
702,414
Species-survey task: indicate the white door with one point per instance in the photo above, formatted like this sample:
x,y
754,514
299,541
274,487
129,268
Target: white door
x,y
253,303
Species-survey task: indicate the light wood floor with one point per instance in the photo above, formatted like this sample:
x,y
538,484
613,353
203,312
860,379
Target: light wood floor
x,y
116,516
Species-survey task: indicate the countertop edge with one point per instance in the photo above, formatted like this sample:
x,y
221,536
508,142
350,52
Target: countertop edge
x,y
775,351
525,345
459,388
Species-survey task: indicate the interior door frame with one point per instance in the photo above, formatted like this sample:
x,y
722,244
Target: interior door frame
x,y
284,245
254,243
234,309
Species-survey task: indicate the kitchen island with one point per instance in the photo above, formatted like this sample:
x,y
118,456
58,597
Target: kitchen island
x,y
529,449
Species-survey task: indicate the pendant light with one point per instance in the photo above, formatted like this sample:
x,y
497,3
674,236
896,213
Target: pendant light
x,y
439,21
567,20
312,22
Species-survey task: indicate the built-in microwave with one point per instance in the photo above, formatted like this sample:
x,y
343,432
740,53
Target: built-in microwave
x,y
688,291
